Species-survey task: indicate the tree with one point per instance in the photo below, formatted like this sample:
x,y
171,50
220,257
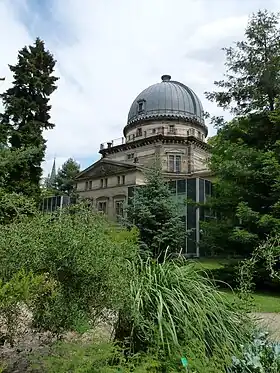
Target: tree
x,y
252,81
155,213
65,178
27,114
245,152
13,205
247,182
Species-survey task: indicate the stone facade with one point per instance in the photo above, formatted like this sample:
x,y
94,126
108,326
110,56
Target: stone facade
x,y
178,140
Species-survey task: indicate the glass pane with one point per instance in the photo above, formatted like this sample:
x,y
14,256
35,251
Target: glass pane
x,y
201,190
171,163
172,186
191,189
58,201
178,163
207,187
181,186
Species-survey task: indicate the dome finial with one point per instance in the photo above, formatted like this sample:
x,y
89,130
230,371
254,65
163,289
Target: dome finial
x,y
166,78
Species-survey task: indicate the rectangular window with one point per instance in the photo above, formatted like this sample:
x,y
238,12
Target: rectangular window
x,y
140,106
130,156
171,128
102,207
90,184
105,182
139,132
123,179
101,183
153,130
119,180
119,209
175,162
171,163
86,186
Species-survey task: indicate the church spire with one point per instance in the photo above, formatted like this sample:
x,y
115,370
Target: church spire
x,y
53,172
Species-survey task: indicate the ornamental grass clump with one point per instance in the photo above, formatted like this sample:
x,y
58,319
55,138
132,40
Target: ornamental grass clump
x,y
175,311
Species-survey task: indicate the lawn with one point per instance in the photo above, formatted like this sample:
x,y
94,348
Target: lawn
x,y
261,302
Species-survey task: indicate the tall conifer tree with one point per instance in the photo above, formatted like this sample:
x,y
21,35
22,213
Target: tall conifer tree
x,y
27,114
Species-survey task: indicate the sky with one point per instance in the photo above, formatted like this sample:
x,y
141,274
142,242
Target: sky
x,y
108,51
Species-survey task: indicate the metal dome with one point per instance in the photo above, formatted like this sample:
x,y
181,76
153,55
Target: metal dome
x,y
168,99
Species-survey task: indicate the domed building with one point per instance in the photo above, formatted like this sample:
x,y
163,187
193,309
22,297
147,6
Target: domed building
x,y
165,120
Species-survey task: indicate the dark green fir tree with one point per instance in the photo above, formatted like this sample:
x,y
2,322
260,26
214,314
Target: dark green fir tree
x,y
65,180
27,115
154,212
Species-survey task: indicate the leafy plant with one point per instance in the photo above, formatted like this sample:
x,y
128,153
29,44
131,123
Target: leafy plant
x,y
22,290
260,356
175,311
86,255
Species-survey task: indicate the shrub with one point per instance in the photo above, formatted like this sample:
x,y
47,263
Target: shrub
x,y
23,289
175,311
77,357
87,257
14,206
262,265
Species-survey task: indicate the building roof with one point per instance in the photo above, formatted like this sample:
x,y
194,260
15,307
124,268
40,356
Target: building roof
x,y
168,99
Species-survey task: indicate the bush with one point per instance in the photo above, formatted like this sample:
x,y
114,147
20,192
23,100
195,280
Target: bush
x,y
87,257
93,357
13,206
23,289
174,311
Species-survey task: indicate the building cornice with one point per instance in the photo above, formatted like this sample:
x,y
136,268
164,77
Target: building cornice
x,y
151,117
158,138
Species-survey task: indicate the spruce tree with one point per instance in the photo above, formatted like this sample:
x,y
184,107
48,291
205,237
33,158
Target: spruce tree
x,y
66,175
251,82
27,114
154,212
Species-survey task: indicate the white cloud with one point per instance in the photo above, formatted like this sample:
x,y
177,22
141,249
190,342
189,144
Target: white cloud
x,y
108,51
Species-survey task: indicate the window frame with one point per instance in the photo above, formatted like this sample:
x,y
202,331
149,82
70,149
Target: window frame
x,y
172,160
102,203
119,202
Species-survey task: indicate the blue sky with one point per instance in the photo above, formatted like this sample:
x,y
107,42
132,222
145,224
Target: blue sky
x,y
108,51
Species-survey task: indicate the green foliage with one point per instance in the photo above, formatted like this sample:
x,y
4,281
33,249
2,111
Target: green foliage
x,y
26,115
246,192
175,311
153,211
65,178
245,153
14,206
252,68
267,254
23,289
260,356
94,357
87,257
